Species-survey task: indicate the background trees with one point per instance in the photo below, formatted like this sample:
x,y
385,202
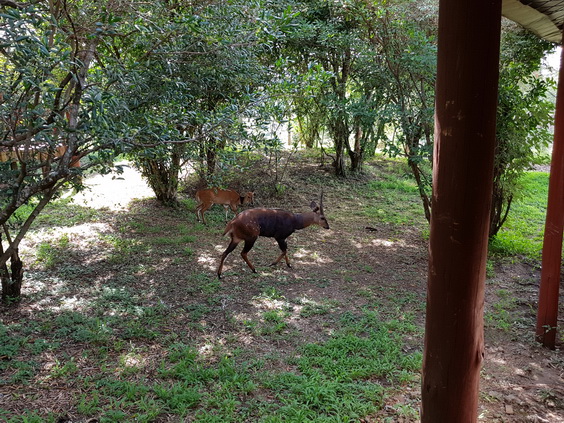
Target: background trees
x,y
55,110
405,40
524,116
175,85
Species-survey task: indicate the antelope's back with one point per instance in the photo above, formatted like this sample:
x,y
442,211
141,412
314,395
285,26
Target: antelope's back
x,y
217,196
274,223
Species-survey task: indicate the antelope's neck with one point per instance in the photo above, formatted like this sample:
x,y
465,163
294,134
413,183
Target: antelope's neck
x,y
303,220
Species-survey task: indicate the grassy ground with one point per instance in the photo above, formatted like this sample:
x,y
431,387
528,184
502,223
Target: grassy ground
x,y
123,318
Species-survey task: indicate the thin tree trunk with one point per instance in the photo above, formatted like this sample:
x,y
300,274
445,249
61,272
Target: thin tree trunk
x,y
340,168
11,279
422,194
211,156
356,153
410,148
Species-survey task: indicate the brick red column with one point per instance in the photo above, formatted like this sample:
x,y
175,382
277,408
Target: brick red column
x,y
547,314
465,111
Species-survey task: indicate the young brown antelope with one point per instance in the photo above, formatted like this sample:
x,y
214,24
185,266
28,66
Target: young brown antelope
x,y
272,223
227,197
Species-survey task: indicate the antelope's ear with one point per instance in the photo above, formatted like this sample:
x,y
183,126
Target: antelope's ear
x,y
314,206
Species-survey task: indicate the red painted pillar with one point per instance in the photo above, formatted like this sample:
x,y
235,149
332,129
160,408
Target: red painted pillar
x,y
465,111
547,314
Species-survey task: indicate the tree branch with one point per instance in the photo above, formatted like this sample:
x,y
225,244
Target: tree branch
x,y
27,224
13,4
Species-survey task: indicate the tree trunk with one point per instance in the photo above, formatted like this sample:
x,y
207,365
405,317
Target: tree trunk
x,y
162,175
422,194
11,279
340,168
501,204
356,154
211,156
466,98
339,123
340,134
413,153
212,147
308,128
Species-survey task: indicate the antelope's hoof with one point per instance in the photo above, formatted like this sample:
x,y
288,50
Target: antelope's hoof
x,y
289,265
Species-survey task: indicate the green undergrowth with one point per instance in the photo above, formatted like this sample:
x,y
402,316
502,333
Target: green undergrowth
x,y
522,233
342,379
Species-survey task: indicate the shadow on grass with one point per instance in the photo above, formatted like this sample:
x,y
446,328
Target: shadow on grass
x,y
123,314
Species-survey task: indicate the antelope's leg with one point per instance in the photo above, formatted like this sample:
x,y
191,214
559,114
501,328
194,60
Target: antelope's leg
x,y
233,209
203,208
228,250
248,245
198,209
284,247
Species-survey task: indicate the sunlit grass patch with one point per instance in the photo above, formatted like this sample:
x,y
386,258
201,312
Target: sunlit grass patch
x,y
65,213
343,378
81,328
312,309
346,377
522,233
394,199
51,254
122,249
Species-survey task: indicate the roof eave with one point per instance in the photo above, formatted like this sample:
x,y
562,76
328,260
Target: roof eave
x,y
531,19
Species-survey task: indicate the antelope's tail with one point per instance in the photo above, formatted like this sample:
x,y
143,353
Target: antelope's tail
x,y
228,229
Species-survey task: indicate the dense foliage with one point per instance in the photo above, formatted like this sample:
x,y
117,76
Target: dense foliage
x,y
524,116
172,84
55,110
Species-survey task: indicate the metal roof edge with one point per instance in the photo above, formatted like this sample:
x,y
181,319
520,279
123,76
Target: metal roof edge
x,y
531,19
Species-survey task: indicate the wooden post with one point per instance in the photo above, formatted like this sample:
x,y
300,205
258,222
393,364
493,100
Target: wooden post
x,y
547,313
466,101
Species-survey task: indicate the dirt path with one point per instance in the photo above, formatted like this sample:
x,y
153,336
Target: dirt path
x,y
115,190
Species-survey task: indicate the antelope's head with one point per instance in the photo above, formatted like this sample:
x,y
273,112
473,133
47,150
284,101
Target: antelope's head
x,y
319,215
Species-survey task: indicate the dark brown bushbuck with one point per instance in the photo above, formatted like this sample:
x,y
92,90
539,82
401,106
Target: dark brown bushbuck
x,y
272,223
227,197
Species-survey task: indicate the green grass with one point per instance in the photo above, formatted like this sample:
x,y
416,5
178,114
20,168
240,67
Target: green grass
x,y
343,378
155,335
165,240
523,231
502,314
51,254
394,196
63,212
